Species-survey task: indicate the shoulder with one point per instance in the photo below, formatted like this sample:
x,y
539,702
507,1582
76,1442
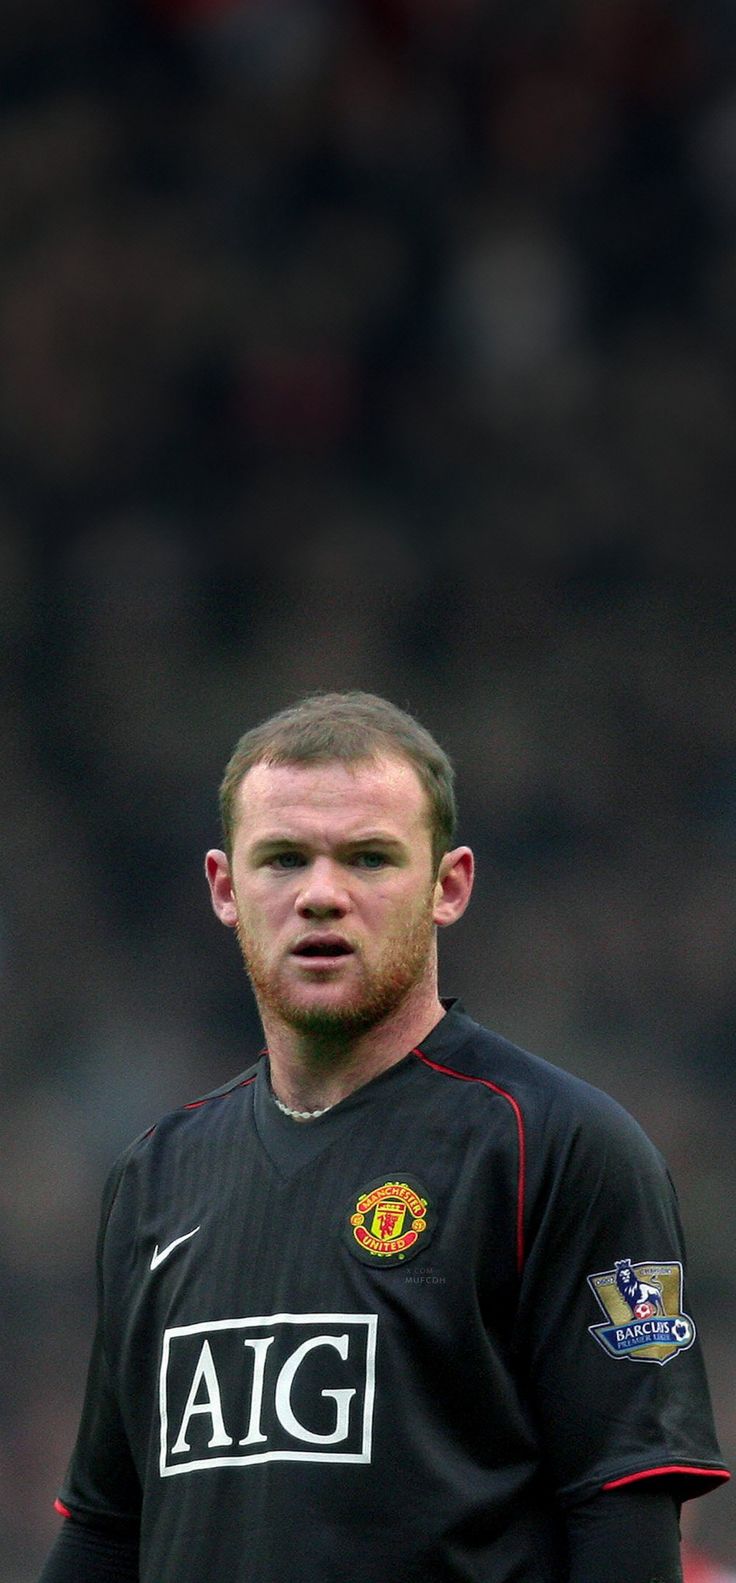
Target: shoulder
x,y
176,1133
557,1110
577,1146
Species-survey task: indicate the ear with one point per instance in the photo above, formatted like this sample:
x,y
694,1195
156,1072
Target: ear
x,y
222,894
454,885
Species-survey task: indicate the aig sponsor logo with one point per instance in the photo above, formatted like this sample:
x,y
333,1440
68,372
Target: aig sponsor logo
x,y
284,1387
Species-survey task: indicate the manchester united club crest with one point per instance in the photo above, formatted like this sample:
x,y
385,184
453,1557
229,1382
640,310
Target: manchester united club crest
x,y
643,1307
390,1221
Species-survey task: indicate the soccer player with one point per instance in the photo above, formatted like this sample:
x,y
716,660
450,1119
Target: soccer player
x,y
402,1303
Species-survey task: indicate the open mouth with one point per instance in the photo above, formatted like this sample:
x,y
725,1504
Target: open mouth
x,y
325,949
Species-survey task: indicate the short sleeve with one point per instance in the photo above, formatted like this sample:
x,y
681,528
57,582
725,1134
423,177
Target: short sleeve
x,y
607,1342
101,1483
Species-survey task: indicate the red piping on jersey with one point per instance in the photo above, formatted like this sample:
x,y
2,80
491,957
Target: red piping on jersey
x,y
466,1077
658,1473
60,1507
194,1104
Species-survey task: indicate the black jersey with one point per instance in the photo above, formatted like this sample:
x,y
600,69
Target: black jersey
x,y
393,1343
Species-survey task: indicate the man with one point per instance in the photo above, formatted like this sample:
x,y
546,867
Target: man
x,y
402,1303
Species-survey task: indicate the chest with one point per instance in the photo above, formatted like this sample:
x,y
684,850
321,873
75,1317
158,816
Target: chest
x,y
257,1315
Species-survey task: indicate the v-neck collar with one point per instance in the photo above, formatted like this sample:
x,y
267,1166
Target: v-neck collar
x,y
291,1144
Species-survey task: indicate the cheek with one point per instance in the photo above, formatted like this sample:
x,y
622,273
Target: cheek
x,y
257,900
397,914
254,920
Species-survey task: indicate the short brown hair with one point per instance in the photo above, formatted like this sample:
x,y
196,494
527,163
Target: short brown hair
x,y
348,727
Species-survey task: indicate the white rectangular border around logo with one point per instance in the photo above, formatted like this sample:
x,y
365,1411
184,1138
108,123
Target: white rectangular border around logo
x,y
368,1321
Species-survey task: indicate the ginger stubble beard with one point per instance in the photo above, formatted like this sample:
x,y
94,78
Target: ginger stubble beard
x,y
405,959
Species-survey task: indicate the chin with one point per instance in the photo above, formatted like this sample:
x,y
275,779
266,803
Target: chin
x,y
348,1017
329,1017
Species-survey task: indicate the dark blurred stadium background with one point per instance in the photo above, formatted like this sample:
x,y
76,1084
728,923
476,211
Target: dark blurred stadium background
x,y
387,345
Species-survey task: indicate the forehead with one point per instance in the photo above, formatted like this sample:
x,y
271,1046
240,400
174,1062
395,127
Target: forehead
x,y
378,794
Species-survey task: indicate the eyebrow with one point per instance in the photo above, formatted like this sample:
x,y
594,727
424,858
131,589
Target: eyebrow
x,y
270,843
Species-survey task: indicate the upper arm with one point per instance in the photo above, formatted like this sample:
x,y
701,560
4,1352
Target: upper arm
x,y
606,1338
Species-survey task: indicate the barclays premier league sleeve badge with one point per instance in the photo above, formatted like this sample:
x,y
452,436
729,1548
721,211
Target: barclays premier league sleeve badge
x,y
643,1308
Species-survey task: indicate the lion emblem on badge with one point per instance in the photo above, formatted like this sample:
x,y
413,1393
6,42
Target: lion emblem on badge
x,y
643,1297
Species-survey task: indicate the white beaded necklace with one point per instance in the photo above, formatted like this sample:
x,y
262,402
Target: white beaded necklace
x,y
299,1115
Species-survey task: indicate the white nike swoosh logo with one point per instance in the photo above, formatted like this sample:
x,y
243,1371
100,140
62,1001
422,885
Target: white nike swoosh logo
x,y
158,1258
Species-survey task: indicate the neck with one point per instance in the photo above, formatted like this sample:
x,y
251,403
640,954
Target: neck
x,y
312,1074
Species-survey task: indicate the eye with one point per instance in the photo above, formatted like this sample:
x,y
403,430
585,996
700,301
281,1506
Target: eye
x,y
286,860
371,860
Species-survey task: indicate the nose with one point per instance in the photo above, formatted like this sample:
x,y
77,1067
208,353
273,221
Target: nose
x,y
322,893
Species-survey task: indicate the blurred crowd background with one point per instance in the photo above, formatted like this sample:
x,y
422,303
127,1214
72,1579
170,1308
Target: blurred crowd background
x,y
390,345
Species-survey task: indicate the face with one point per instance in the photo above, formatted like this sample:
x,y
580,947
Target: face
x,y
331,890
